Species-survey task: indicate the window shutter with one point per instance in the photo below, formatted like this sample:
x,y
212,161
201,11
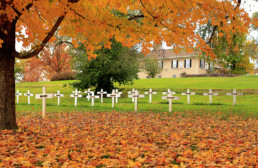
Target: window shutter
x,y
176,63
162,64
190,63
172,64
200,63
185,63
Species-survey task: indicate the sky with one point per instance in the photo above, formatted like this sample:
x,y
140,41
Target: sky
x,y
250,7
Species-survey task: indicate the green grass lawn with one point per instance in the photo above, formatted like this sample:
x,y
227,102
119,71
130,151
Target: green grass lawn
x,y
241,82
246,105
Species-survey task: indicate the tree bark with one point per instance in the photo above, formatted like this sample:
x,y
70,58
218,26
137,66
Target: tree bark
x,y
7,80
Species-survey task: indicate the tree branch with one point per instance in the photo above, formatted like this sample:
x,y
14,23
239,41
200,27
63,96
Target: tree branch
x,y
136,17
213,32
44,42
238,4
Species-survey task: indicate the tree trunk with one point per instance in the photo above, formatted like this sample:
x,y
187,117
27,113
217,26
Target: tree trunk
x,y
7,80
7,92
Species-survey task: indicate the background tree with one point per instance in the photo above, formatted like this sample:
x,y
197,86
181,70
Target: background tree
x,y
231,49
34,70
19,70
255,19
53,60
56,59
173,22
151,66
115,65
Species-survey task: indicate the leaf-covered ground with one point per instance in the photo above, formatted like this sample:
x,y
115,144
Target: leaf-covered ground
x,y
130,140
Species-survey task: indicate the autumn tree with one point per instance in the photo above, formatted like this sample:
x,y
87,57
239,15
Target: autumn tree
x,y
33,70
55,59
93,22
232,51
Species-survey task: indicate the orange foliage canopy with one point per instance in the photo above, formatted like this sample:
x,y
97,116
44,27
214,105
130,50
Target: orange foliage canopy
x,y
130,21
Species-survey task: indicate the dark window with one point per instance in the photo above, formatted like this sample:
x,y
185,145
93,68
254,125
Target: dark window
x,y
188,63
174,64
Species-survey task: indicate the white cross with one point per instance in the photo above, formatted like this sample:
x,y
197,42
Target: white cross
x,y
113,95
150,92
170,97
44,96
28,94
210,94
188,93
93,97
234,94
167,93
132,93
88,93
17,95
58,95
117,92
101,94
75,95
136,96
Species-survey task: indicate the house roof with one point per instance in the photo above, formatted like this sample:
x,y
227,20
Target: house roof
x,y
170,53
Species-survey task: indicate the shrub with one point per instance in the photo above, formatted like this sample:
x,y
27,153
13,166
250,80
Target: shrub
x,y
183,74
67,75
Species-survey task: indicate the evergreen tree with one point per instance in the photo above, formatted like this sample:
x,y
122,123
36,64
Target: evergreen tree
x,y
115,65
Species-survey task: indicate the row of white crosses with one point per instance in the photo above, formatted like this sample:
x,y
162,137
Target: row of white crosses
x,y
28,94
150,93
134,94
115,94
